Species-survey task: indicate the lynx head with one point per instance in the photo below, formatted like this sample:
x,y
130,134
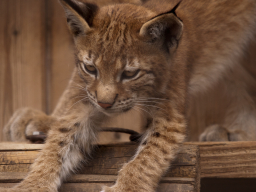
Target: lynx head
x,y
123,52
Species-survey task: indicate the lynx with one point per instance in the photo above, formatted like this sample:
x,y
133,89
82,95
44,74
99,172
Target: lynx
x,y
151,57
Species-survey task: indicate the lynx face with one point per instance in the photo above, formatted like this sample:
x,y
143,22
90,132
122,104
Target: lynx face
x,y
121,61
115,88
119,85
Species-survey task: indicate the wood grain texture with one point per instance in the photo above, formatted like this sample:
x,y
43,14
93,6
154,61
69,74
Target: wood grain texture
x,y
12,146
14,177
228,159
60,56
107,160
218,159
22,47
96,182
103,170
92,187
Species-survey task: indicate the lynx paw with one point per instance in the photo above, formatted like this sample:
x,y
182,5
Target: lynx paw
x,y
214,133
24,122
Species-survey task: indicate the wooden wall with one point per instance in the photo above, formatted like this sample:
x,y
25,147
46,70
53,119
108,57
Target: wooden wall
x,y
36,55
22,54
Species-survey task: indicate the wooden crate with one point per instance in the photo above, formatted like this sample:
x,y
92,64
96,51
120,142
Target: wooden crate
x,y
184,175
227,159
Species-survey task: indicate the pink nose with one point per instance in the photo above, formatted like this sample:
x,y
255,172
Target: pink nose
x,y
105,105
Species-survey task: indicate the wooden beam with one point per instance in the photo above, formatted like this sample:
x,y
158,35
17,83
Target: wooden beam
x,y
107,160
12,146
228,159
14,177
218,159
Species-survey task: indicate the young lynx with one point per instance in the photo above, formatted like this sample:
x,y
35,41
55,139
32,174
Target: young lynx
x,y
146,56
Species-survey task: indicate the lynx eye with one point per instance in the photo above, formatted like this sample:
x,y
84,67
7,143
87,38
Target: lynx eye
x,y
90,69
130,74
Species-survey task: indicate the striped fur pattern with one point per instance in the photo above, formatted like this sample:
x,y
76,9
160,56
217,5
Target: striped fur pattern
x,y
141,57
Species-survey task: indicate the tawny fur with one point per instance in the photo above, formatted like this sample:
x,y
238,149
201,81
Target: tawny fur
x,y
203,42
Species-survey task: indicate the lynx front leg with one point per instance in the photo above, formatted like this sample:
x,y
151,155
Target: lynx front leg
x,y
59,157
67,142
156,152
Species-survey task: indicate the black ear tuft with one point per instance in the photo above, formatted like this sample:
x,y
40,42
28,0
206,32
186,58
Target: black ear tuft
x,y
79,15
86,10
165,28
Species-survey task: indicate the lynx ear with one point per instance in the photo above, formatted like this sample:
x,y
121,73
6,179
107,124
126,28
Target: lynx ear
x,y
166,28
79,15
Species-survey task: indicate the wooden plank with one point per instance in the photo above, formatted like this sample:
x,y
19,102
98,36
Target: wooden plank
x,y
14,177
15,168
22,75
110,159
18,157
107,160
95,182
12,146
228,159
218,159
92,187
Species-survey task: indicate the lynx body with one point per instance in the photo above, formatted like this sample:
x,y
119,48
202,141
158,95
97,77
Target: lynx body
x,y
150,57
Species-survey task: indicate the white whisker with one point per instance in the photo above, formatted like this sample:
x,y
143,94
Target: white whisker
x,y
84,96
76,103
79,85
153,98
152,106
79,88
144,110
138,109
145,101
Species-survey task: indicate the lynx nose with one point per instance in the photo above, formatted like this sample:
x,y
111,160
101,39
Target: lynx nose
x,y
105,105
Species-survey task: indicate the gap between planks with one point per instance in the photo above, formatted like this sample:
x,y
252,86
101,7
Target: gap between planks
x,y
14,177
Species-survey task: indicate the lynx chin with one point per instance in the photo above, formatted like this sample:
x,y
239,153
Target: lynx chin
x,y
152,56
